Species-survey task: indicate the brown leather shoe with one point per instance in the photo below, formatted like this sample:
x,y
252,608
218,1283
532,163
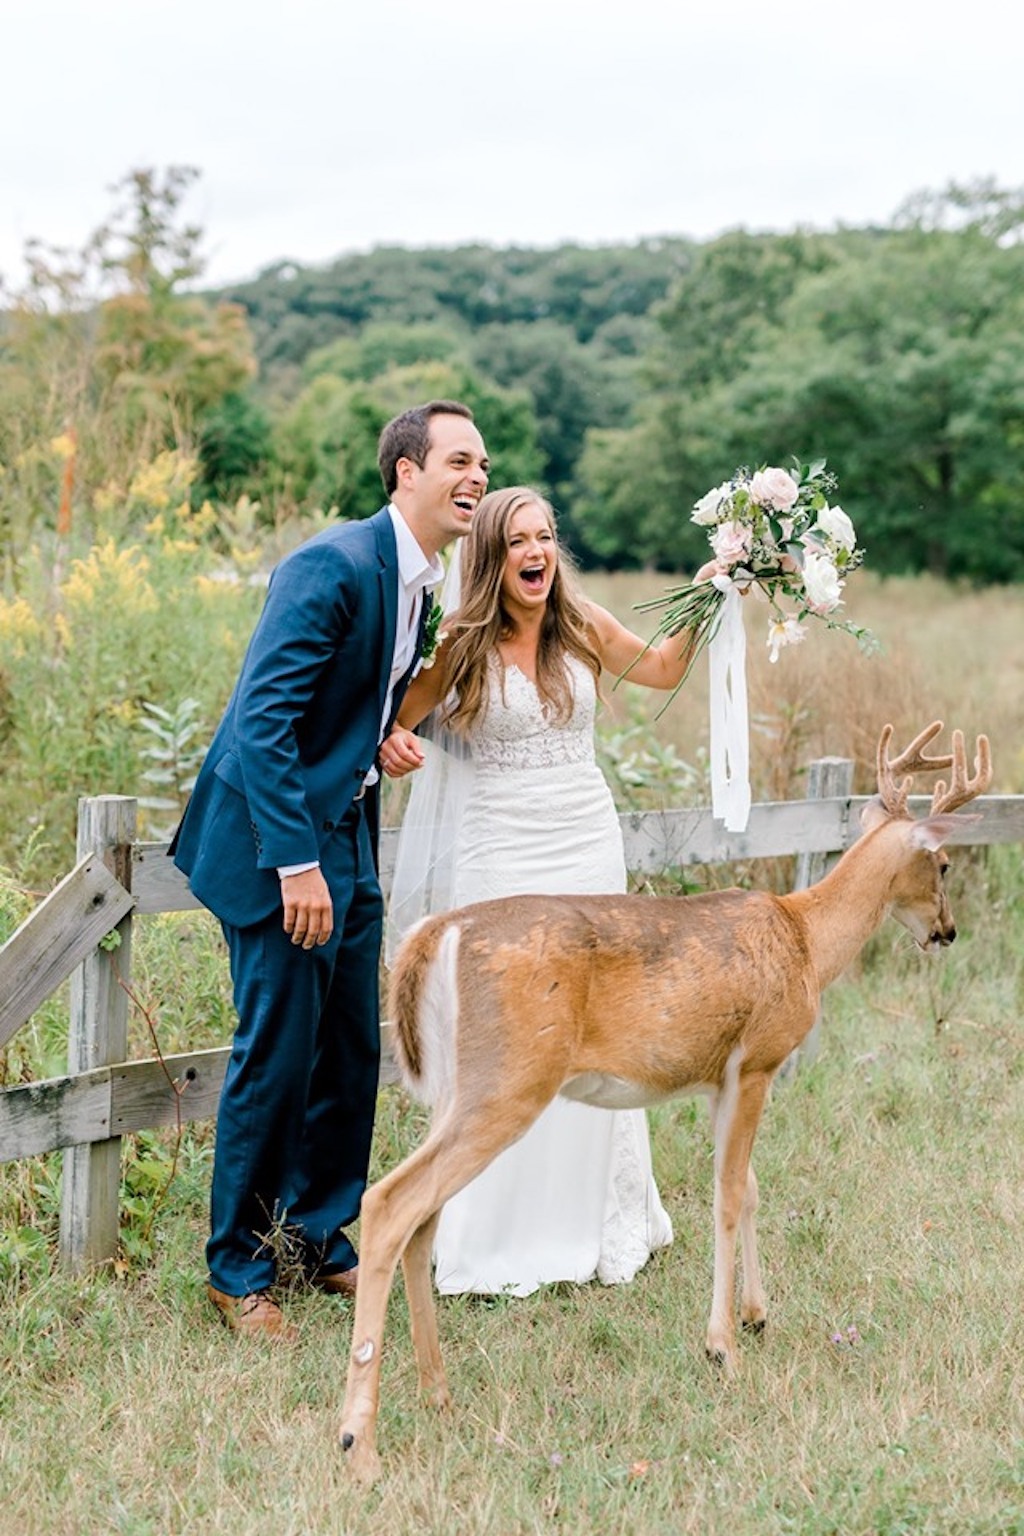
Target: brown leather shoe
x,y
341,1283
256,1315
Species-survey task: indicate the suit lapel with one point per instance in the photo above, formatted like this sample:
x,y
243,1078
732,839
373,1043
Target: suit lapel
x,y
388,552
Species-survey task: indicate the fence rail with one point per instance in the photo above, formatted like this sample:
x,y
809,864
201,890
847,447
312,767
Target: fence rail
x,y
117,879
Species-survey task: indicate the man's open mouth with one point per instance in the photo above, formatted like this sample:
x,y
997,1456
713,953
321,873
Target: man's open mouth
x,y
465,503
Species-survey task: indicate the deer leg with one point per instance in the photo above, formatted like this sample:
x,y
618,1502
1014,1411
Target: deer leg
x,y
735,1117
753,1310
396,1212
423,1314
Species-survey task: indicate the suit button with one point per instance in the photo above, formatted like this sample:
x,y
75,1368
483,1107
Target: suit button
x,y
328,826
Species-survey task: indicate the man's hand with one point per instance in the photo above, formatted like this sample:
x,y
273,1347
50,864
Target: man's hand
x,y
308,910
400,753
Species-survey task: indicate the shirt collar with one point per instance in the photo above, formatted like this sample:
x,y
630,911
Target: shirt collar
x,y
414,569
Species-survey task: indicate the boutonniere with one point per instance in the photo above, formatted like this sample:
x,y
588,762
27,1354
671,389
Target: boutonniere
x,y
433,634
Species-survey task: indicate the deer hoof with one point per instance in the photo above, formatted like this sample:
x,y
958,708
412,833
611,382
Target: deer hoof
x,y
361,1458
439,1397
753,1325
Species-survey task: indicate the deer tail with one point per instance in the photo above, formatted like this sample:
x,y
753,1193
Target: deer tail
x,y
423,1006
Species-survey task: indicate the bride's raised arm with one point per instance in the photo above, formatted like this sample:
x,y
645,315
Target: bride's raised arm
x,y
624,653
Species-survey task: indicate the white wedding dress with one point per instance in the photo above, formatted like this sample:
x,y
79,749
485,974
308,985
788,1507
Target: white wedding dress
x,y
575,1198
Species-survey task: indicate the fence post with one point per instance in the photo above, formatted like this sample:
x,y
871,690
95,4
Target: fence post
x,y
98,1037
827,778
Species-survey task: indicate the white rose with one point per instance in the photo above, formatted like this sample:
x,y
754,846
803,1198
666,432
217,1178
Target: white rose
x,y
835,525
706,510
774,488
821,582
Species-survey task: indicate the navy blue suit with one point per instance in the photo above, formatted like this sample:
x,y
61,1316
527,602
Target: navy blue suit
x,y
279,787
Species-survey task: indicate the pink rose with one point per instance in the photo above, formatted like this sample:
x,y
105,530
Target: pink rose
x,y
774,488
731,543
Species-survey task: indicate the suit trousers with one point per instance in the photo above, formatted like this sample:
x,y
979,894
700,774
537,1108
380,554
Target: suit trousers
x,y
297,1107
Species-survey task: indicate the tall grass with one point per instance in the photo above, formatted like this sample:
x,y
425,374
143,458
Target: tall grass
x,y
883,1397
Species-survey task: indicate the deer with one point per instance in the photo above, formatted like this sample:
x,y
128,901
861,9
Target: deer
x,y
622,1001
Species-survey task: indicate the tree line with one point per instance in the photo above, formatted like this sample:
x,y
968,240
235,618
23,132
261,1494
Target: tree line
x,y
624,380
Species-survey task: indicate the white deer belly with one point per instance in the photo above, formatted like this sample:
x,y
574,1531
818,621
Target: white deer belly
x,y
607,1092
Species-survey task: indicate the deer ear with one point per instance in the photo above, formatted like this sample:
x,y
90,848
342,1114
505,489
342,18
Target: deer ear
x,y
935,831
873,814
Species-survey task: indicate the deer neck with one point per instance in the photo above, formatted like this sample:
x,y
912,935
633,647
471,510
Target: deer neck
x,y
841,911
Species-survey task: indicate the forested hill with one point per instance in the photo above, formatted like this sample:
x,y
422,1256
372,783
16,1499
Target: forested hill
x,y
623,381
294,309
626,380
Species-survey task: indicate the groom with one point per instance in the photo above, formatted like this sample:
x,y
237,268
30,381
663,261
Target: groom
x,y
279,841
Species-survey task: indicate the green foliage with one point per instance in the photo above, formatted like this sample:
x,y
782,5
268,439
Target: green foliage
x,y
643,772
105,361
295,309
235,447
327,440
624,381
83,653
178,747
888,352
563,329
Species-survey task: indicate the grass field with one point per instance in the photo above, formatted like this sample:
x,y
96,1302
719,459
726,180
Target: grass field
x,y
884,1396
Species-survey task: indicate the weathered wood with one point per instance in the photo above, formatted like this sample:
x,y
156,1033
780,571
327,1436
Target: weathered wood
x,y
660,840
49,1116
98,1037
55,937
1002,820
829,778
157,883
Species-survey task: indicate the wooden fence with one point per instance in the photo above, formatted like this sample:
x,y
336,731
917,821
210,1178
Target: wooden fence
x,y
116,880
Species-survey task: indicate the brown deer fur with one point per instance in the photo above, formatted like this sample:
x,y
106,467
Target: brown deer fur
x,y
623,1001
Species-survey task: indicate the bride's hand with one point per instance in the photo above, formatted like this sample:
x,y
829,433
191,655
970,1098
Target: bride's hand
x,y
400,753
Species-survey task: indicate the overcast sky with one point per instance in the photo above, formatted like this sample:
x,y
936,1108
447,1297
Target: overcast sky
x,y
326,126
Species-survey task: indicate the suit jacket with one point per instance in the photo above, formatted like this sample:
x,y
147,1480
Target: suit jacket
x,y
301,729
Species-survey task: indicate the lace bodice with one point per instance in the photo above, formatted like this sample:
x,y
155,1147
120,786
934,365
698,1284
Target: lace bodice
x,y
516,731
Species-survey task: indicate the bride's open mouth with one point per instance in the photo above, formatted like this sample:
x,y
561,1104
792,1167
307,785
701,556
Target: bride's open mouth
x,y
533,576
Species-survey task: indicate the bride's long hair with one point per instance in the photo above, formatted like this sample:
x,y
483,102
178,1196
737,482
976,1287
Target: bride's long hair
x,y
482,619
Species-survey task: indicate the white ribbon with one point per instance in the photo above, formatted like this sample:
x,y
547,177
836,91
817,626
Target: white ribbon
x,y
730,729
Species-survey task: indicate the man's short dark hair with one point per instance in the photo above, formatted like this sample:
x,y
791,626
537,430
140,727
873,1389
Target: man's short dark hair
x,y
408,437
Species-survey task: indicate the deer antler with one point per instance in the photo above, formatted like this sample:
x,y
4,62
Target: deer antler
x,y
910,761
961,788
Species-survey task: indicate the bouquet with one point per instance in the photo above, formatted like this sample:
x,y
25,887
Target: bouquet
x,y
777,532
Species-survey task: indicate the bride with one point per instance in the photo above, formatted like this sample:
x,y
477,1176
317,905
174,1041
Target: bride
x,y
517,804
